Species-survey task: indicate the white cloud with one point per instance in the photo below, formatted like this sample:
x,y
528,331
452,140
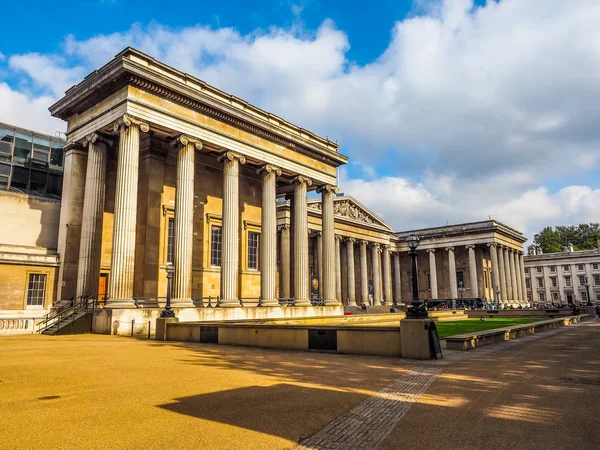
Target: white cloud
x,y
491,100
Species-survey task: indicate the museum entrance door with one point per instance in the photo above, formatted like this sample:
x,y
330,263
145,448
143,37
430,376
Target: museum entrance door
x,y
102,288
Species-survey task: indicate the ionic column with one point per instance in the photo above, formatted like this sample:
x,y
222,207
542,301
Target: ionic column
x,y
397,279
376,271
509,292
387,275
503,279
230,244
268,235
495,271
473,271
452,273
433,273
522,274
364,277
350,272
300,228
519,288
513,275
184,221
338,269
318,261
124,228
327,266
285,261
88,271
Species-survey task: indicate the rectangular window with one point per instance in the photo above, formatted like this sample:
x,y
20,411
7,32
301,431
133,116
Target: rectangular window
x,y
552,269
553,281
529,297
581,280
36,289
597,280
20,177
583,296
485,277
253,239
54,184
38,180
598,297
542,297
22,152
6,140
215,246
460,278
580,267
568,281
540,282
527,283
595,266
41,151
567,268
526,269
56,156
4,174
170,240
555,296
539,269
428,281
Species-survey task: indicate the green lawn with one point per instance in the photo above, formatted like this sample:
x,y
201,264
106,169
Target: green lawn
x,y
453,328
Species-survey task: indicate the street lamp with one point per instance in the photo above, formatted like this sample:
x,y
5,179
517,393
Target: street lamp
x,y
168,313
417,309
498,297
587,288
461,289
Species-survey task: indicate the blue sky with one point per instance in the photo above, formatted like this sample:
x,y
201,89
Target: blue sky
x,y
451,110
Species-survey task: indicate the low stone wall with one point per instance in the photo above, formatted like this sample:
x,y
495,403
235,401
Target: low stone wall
x,y
470,341
138,320
512,313
445,316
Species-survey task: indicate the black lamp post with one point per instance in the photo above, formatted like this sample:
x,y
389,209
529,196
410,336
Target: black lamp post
x,y
417,309
168,313
461,289
587,288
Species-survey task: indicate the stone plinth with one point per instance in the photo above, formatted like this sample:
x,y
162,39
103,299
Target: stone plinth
x,y
414,336
161,327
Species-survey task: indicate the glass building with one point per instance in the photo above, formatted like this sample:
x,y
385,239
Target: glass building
x,y
30,162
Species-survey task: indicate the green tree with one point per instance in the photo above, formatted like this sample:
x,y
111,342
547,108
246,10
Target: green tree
x,y
548,240
585,236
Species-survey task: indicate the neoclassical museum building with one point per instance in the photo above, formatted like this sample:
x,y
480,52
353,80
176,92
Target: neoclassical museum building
x,y
160,167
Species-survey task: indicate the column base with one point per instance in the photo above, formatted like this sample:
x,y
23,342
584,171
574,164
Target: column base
x,y
387,304
302,302
182,303
353,304
269,302
332,302
117,303
231,303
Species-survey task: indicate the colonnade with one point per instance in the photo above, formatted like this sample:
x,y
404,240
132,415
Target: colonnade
x,y
121,282
508,274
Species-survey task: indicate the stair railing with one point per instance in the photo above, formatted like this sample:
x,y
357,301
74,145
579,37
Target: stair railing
x,y
84,302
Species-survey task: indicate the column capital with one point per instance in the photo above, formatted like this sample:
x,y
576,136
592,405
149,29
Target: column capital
x,y
73,146
470,246
282,227
375,245
301,179
230,156
338,237
492,245
448,249
430,250
363,242
184,140
97,137
128,121
268,168
328,188
315,233
350,239
385,246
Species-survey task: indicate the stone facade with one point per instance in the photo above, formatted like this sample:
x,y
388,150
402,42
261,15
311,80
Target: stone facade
x,y
564,278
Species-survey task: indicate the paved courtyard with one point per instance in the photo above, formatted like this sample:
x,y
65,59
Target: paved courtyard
x,y
96,391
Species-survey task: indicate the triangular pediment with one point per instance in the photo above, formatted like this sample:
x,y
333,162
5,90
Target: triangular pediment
x,y
348,208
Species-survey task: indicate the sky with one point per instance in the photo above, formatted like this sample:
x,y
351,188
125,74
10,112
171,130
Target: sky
x,y
450,110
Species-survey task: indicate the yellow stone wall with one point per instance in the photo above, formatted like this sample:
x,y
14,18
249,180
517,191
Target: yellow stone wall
x,y
14,280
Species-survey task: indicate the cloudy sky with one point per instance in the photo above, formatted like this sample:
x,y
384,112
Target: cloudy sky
x,y
450,110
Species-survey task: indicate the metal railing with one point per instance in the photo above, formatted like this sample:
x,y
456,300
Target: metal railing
x,y
84,303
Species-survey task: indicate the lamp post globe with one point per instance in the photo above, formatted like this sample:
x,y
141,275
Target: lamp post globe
x,y
168,312
417,309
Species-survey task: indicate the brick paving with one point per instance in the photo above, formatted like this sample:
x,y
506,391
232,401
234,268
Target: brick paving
x,y
369,423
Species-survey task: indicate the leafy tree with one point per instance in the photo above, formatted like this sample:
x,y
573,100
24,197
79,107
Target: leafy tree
x,y
585,236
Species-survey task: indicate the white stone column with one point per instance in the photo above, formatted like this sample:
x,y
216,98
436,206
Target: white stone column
x,y
397,279
230,245
387,275
327,266
473,271
509,291
503,289
495,271
268,235
513,276
364,276
285,261
300,228
433,273
522,274
452,273
376,272
124,228
350,272
338,269
88,271
184,221
515,264
319,261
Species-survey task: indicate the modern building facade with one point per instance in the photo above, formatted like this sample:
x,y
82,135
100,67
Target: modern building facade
x,y
564,278
161,168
